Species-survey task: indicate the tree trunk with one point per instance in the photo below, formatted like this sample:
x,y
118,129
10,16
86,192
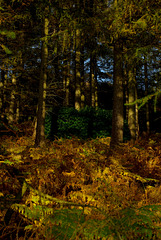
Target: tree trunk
x,y
11,114
131,112
56,63
67,85
137,113
77,71
66,79
18,109
117,116
126,92
40,128
92,81
96,87
4,106
82,77
146,93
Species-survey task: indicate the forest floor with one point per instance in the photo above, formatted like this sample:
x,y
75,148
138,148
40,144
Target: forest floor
x,y
80,189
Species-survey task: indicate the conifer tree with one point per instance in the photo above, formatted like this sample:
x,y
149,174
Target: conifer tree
x,y
118,115
40,128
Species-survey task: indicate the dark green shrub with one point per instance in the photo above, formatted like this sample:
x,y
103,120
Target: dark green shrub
x,y
71,123
86,123
102,123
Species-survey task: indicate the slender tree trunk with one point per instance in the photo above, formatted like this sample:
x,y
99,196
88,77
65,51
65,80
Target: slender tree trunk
x,y
18,109
66,78
137,113
117,116
4,108
126,91
82,77
77,72
66,81
40,128
131,112
67,89
56,64
82,82
92,81
96,87
146,93
11,112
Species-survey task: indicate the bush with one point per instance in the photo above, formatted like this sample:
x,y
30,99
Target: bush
x,y
103,123
86,123
72,123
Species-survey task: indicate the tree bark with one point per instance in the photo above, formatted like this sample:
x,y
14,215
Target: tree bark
x,y
126,91
67,85
4,94
92,81
146,93
77,71
66,79
117,116
40,128
137,113
131,99
12,101
96,87
82,77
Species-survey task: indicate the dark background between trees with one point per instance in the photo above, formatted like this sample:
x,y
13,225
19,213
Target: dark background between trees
x,y
64,61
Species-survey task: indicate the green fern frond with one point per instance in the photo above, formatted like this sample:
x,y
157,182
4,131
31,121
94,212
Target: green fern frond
x,y
34,213
65,223
141,221
62,222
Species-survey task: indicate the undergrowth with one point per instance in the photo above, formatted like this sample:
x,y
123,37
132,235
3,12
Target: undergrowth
x,y
77,189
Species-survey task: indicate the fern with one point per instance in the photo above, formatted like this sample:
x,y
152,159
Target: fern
x,y
35,213
140,222
65,220
59,219
66,223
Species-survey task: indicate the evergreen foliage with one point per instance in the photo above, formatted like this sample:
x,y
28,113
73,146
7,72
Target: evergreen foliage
x,y
86,123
